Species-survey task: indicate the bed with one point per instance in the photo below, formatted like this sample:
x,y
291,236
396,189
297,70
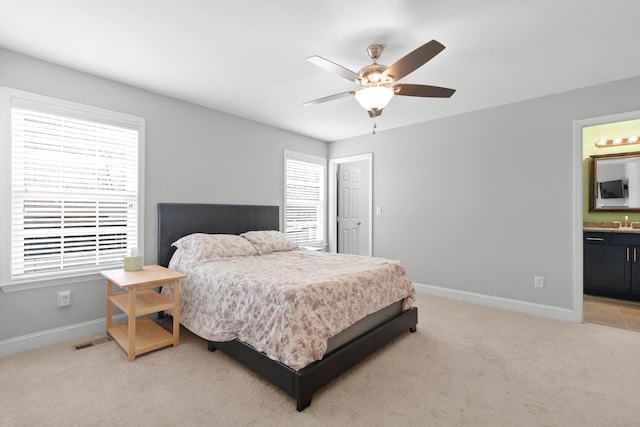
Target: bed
x,y
300,377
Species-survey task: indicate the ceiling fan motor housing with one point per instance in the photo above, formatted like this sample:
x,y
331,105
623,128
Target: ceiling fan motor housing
x,y
372,73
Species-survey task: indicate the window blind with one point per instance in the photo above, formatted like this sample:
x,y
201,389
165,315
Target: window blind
x,y
74,194
305,201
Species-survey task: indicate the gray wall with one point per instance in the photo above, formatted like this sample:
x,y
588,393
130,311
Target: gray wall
x,y
479,202
482,202
193,154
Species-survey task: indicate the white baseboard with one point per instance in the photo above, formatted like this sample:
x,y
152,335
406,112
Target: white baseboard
x,y
503,303
55,336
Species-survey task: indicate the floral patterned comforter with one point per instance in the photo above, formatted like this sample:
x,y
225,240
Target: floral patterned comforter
x,y
286,304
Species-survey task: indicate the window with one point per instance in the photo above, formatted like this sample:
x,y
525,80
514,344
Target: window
x,y
72,201
305,195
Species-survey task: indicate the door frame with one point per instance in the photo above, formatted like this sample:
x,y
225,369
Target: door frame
x,y
578,181
333,198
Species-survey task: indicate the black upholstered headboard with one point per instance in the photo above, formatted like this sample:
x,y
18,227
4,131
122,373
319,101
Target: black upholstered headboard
x,y
176,220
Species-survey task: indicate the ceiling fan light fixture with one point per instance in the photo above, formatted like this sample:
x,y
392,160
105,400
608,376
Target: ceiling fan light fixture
x,y
374,98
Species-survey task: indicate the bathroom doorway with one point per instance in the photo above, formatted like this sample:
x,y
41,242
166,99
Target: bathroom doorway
x,y
600,307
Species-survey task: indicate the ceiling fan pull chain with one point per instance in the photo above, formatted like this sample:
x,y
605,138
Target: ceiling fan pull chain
x,y
374,126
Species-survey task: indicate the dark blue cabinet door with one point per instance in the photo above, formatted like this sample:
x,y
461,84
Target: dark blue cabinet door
x,y
607,268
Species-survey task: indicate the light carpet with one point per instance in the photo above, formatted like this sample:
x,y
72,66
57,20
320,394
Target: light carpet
x,y
468,365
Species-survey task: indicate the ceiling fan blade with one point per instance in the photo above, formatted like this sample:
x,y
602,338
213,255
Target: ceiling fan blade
x,y
334,68
330,97
414,60
423,90
376,113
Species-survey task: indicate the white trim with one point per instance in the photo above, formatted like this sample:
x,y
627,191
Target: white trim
x,y
577,220
55,336
304,157
333,205
60,281
552,312
9,98
36,102
5,177
577,217
307,158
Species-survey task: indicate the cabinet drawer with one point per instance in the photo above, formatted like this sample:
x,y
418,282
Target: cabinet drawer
x,y
628,239
596,237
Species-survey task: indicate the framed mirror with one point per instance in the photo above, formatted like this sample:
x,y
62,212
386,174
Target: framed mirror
x,y
614,184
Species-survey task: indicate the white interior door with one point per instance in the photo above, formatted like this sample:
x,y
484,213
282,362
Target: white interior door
x,y
352,204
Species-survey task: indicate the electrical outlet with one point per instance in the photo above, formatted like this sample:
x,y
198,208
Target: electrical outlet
x,y
538,282
64,298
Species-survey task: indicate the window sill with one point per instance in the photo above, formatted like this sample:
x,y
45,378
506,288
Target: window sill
x,y
45,283
320,247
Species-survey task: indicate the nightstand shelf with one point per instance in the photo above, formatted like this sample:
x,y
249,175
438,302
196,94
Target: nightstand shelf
x,y
147,302
149,336
139,336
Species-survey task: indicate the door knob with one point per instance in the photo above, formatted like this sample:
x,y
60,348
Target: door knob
x,y
359,223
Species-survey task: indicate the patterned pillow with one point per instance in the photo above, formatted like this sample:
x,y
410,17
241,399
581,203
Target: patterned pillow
x,y
268,241
210,247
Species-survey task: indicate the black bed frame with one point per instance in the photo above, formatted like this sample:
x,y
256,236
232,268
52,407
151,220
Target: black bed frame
x,y
176,220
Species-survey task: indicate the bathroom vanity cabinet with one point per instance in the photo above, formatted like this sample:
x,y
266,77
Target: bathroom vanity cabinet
x,y
612,264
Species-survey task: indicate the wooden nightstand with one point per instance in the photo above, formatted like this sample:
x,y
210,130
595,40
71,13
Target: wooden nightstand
x,y
139,336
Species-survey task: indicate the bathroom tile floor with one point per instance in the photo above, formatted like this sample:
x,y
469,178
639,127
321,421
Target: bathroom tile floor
x,y
612,312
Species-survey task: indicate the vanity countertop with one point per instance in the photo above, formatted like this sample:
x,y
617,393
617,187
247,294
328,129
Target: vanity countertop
x,y
608,227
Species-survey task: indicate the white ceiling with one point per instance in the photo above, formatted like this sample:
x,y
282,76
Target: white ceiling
x,y
247,57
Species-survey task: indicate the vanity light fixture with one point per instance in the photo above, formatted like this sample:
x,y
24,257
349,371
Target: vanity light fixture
x,y
615,142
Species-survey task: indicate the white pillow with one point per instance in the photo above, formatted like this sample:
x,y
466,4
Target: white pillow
x,y
268,241
210,247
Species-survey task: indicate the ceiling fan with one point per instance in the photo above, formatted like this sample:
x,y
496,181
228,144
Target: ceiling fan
x,y
379,82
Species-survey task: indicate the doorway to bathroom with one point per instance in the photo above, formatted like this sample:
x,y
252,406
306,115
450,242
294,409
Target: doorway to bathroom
x,y
608,285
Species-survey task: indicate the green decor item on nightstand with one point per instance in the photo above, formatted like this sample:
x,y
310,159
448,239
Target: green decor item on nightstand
x,y
133,263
